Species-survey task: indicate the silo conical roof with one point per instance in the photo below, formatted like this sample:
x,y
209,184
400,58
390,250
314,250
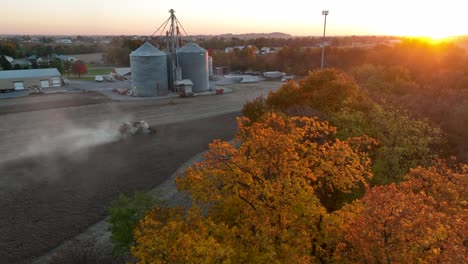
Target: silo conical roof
x,y
191,48
147,50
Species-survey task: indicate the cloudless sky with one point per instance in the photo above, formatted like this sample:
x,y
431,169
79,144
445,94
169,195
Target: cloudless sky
x,y
303,18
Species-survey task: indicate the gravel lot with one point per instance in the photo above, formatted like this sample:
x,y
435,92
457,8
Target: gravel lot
x,y
62,163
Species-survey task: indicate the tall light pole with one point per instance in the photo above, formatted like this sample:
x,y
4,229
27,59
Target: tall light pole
x,y
325,13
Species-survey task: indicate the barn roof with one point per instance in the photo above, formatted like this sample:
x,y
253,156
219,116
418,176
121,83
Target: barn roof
x,y
34,73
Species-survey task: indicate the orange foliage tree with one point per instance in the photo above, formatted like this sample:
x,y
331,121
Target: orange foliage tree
x,y
264,196
405,142
328,90
423,220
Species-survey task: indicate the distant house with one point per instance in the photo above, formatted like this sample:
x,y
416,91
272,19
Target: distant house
x,y
232,49
21,62
229,49
327,43
64,41
35,59
64,58
254,48
269,50
8,58
18,82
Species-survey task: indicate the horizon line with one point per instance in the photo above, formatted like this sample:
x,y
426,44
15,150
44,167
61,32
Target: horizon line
x,y
234,34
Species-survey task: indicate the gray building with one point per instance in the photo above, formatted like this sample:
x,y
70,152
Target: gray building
x,y
20,80
123,73
21,63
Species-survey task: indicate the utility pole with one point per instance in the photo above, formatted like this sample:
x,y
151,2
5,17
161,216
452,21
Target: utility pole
x,y
325,13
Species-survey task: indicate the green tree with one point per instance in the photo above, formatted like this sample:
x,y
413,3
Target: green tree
x,y
125,213
8,49
404,142
67,67
57,64
5,64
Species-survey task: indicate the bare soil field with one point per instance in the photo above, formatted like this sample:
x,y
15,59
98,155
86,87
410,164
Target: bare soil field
x,y
63,163
58,100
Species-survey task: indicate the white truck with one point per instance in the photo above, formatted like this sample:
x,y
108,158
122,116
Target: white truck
x,y
274,75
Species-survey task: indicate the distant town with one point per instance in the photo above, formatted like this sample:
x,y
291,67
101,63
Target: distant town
x,y
34,51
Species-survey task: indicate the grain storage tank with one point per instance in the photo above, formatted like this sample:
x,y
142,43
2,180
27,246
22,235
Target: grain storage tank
x,y
194,63
149,71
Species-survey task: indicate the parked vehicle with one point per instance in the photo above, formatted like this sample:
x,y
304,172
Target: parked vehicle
x,y
274,75
99,78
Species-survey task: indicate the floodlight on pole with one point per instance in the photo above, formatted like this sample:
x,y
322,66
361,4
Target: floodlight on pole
x,y
325,13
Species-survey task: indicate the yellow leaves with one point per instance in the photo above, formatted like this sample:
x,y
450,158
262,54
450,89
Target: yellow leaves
x,y
182,237
262,195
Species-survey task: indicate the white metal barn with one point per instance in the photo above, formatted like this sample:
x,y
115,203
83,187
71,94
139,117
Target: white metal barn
x,y
17,80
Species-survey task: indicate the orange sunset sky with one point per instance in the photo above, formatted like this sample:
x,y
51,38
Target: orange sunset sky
x,y
431,18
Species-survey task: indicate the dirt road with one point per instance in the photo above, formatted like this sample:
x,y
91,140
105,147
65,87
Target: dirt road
x,y
62,166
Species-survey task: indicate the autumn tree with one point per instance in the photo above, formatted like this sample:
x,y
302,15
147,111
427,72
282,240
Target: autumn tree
x,y
404,142
79,68
263,196
328,90
175,236
422,220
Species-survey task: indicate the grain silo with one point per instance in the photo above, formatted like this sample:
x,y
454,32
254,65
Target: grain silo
x,y
149,71
194,63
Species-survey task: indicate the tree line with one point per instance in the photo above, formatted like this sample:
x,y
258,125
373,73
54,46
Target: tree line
x,y
17,50
427,80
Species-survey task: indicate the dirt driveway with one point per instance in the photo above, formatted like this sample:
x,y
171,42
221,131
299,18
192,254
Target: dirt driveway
x,y
63,164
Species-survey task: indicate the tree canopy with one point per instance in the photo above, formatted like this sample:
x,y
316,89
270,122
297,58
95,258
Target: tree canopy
x,y
78,67
263,196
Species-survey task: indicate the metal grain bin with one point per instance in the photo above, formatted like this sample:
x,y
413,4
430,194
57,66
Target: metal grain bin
x,y
149,71
194,63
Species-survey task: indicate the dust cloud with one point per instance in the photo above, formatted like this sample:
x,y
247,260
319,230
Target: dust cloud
x,y
41,157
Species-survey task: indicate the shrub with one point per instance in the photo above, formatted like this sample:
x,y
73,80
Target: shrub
x,y
125,213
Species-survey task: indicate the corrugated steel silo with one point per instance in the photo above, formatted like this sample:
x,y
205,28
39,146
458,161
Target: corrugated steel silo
x,y
194,63
149,71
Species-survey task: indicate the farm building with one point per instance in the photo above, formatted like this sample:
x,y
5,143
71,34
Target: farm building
x,y
19,81
123,73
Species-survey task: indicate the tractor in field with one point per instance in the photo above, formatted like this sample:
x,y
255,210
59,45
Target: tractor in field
x,y
136,128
